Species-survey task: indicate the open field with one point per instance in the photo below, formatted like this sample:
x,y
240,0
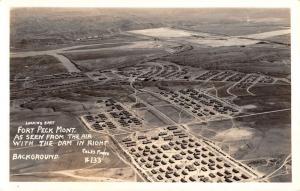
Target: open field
x,y
264,100
175,114
152,119
34,66
149,98
244,59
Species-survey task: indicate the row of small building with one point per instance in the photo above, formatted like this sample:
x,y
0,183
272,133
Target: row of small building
x,y
163,158
193,101
121,115
221,76
248,81
99,122
217,105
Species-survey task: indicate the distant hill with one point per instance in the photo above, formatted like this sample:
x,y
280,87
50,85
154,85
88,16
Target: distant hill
x,y
47,26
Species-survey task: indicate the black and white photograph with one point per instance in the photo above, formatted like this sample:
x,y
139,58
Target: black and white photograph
x,y
156,95
111,96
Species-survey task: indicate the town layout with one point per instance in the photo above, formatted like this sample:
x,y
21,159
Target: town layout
x,y
175,104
